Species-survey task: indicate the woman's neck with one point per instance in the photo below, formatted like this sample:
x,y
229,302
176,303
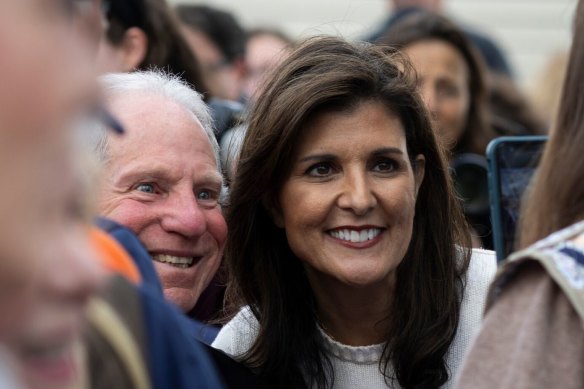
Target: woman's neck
x,y
353,316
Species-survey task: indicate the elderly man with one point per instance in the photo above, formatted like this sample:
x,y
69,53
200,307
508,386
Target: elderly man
x,y
163,180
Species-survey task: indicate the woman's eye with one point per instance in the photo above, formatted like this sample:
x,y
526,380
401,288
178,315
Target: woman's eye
x,y
448,91
319,170
146,188
384,166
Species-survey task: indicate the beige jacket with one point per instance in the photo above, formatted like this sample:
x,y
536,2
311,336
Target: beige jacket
x,y
533,331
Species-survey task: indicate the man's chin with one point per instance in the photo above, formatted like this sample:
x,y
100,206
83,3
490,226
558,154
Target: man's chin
x,y
184,299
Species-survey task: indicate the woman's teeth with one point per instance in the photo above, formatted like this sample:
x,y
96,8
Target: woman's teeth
x,y
181,262
356,236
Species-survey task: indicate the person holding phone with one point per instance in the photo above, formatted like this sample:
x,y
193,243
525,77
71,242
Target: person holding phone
x,y
452,81
533,331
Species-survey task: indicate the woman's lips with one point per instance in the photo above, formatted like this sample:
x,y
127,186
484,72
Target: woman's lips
x,y
356,237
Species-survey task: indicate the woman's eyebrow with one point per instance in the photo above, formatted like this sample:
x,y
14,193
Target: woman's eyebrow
x,y
387,150
317,157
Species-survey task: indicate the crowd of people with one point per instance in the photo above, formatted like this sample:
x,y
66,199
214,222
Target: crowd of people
x,y
190,204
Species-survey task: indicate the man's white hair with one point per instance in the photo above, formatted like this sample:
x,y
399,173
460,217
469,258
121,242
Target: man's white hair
x,y
159,83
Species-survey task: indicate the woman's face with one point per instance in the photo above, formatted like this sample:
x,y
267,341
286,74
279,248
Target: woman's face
x,y
348,204
444,85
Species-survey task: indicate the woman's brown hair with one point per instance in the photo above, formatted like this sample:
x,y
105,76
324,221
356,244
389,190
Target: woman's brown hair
x,y
556,196
324,74
425,25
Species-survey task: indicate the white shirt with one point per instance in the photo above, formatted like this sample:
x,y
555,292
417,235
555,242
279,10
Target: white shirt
x,y
358,367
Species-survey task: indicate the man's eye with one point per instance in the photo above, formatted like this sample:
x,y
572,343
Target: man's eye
x,y
146,188
207,195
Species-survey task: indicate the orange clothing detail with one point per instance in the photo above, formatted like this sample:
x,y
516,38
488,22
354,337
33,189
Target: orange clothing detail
x,y
113,256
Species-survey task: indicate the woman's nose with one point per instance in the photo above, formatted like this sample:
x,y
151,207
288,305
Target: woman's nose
x,y
357,194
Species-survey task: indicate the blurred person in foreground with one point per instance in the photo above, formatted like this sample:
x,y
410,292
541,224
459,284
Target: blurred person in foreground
x,y
348,254
48,269
533,330
52,321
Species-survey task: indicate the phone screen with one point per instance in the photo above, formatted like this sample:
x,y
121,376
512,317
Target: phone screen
x,y
512,162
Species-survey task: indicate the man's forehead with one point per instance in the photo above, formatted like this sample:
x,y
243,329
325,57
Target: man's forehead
x,y
139,106
157,121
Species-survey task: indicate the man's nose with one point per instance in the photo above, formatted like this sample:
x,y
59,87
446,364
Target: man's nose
x,y
184,215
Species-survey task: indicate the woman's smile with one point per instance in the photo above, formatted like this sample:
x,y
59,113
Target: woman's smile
x,y
356,237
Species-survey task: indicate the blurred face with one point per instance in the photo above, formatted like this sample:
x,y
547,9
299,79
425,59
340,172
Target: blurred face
x,y
163,183
222,78
444,84
348,204
47,270
262,54
434,5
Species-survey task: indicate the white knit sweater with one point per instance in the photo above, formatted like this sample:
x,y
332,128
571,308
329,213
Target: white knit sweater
x,y
358,367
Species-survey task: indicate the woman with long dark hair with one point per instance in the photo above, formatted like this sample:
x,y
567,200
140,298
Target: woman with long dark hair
x,y
348,252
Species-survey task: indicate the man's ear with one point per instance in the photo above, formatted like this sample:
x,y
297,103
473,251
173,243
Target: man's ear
x,y
274,212
419,167
134,48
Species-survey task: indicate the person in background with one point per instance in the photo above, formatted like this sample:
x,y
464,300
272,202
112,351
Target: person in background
x,y
546,88
145,34
511,110
264,50
533,330
218,42
452,82
490,52
333,215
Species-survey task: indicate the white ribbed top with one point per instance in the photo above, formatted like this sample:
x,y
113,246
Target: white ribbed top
x,y
358,367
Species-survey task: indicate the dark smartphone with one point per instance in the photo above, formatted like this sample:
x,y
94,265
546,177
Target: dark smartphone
x,y
511,160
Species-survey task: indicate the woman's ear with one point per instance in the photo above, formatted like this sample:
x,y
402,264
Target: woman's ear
x,y
274,212
134,48
419,167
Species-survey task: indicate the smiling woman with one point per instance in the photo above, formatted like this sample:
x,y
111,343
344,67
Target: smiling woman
x,y
348,250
